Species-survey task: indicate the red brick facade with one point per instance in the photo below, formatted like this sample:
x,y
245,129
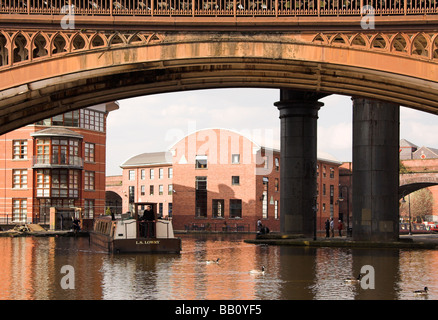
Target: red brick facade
x,y
45,165
221,181
234,172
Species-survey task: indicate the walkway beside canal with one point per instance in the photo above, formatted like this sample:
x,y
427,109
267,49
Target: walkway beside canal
x,y
420,241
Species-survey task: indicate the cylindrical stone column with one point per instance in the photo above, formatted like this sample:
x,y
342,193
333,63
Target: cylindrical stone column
x,y
375,170
298,160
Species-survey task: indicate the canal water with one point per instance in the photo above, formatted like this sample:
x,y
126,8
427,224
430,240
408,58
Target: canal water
x,y
32,268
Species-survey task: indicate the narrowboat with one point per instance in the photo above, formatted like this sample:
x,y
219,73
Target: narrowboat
x,y
133,234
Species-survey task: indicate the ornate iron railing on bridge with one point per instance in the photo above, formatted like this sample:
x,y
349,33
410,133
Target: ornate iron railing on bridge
x,y
230,8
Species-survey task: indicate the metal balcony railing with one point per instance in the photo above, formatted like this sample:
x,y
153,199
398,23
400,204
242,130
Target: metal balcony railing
x,y
223,8
49,161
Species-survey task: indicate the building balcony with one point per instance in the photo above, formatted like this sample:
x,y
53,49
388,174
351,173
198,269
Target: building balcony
x,y
51,162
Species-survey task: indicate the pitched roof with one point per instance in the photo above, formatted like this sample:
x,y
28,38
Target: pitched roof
x,y
325,156
56,132
432,153
147,159
406,143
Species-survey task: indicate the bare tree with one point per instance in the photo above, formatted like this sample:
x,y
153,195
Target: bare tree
x,y
421,203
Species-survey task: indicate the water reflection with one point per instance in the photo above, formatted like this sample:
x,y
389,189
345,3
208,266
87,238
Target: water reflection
x,y
30,269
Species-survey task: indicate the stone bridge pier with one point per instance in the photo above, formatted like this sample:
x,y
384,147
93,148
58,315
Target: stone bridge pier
x,y
298,126
375,169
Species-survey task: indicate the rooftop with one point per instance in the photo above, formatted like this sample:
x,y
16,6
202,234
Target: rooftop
x,y
57,132
148,159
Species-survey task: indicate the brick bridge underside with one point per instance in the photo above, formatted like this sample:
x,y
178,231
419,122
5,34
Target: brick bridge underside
x,y
410,182
48,72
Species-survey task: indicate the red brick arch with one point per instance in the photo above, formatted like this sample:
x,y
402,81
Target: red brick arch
x,y
410,182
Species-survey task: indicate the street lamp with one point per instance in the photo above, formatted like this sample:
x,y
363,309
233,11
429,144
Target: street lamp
x,y
341,198
409,206
315,215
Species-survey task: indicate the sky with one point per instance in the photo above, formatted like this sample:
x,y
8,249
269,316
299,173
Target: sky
x,y
153,123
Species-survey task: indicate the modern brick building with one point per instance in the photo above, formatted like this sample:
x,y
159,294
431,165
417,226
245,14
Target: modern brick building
x,y
218,179
55,166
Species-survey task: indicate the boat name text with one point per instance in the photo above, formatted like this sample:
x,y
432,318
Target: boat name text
x,y
147,242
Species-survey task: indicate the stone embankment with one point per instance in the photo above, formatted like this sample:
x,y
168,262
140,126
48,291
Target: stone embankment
x,y
425,241
38,231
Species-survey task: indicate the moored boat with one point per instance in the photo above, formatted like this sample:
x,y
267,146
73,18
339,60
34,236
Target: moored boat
x,y
132,234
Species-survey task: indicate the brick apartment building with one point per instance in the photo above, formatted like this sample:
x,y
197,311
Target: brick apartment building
x,y
56,163
218,179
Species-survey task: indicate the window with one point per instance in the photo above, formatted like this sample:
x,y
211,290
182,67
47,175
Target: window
x,y
59,183
332,193
58,120
65,151
218,208
142,190
276,185
323,189
19,210
43,151
266,162
265,198
160,210
151,190
201,183
59,151
235,159
19,178
235,180
275,209
160,173
235,208
170,189
277,164
151,174
201,197
73,184
92,120
170,209
131,175
142,174
69,119
43,182
324,173
64,183
89,180
89,152
88,208
19,150
201,162
332,173
160,190
170,173
131,194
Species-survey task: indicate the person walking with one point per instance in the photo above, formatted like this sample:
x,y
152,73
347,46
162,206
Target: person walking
x,y
327,228
340,227
332,227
